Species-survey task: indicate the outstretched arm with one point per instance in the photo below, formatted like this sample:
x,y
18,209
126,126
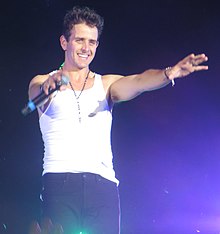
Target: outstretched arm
x,y
128,87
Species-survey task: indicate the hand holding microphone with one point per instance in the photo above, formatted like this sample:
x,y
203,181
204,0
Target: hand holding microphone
x,y
56,78
56,81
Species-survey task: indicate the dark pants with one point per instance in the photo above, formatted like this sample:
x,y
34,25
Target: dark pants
x,y
81,202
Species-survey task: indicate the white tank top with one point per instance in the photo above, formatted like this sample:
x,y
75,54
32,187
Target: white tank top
x,y
74,146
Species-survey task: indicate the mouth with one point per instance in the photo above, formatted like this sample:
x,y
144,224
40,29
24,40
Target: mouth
x,y
83,56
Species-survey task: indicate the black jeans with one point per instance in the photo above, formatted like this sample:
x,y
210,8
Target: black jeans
x,y
81,203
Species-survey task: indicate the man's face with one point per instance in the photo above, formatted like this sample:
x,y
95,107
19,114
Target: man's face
x,y
81,47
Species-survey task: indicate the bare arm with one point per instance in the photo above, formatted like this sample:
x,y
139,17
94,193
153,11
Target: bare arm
x,y
35,86
42,83
128,87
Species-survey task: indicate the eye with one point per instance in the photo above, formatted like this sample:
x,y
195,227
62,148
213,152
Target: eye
x,y
79,40
92,42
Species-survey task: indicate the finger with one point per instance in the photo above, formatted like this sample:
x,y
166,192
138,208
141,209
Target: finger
x,y
58,76
56,79
201,60
201,56
198,59
200,68
188,59
46,86
52,80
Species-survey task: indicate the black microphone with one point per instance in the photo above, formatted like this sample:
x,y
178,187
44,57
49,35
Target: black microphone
x,y
37,101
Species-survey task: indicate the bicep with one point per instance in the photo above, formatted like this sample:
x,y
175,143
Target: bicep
x,y
125,89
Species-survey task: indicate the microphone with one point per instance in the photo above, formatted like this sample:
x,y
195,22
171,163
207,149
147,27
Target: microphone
x,y
37,101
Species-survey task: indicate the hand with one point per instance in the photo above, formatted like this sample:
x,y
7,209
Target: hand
x,y
51,82
188,65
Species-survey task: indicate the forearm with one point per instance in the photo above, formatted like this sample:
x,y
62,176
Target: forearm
x,y
34,89
152,79
36,86
131,86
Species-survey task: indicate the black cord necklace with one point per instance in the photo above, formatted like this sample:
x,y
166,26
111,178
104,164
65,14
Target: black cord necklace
x,y
77,97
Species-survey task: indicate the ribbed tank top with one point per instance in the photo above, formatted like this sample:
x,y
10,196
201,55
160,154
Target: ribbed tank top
x,y
73,146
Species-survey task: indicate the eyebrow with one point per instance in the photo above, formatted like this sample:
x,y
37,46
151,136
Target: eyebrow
x,y
90,40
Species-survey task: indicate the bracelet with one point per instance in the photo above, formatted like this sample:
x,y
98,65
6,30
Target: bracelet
x,y
165,73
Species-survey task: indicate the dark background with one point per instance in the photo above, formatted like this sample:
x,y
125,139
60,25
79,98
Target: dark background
x,y
166,142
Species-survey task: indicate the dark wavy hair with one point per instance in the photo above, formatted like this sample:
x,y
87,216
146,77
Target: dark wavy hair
x,y
79,15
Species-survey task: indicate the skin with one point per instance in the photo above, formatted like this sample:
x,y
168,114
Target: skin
x,y
80,50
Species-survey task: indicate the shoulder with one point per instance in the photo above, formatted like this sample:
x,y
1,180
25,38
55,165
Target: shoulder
x,y
112,77
109,79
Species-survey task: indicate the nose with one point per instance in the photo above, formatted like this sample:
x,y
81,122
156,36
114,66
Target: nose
x,y
85,46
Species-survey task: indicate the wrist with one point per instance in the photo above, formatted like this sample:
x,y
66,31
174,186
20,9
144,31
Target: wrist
x,y
167,75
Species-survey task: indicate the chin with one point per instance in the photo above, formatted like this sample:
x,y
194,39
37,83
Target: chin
x,y
83,65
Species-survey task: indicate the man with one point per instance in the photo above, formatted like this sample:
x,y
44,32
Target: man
x,y
79,186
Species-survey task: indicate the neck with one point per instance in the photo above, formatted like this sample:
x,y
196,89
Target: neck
x,y
76,74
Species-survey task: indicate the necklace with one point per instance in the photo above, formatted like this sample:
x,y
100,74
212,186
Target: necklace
x,y
78,96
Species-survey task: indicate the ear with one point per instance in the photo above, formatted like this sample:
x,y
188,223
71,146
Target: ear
x,y
63,42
